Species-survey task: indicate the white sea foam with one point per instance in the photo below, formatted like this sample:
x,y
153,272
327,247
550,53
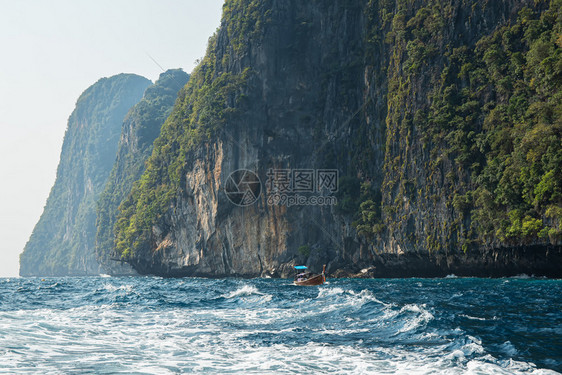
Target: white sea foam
x,y
419,318
348,297
522,276
367,296
246,290
165,343
472,317
346,332
113,288
250,293
326,292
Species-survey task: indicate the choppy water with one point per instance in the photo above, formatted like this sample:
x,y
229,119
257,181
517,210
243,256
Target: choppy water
x,y
160,326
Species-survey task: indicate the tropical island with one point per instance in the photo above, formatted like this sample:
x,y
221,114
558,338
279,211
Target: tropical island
x,y
429,134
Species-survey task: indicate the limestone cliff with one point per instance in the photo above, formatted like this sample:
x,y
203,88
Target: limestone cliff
x,y
62,242
442,118
140,128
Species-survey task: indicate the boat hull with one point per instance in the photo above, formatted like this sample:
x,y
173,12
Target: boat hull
x,y
315,280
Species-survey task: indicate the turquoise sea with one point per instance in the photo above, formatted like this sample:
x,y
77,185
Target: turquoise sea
x,y
148,325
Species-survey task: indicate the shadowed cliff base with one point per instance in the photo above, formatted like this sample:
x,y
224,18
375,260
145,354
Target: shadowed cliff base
x,y
535,261
538,261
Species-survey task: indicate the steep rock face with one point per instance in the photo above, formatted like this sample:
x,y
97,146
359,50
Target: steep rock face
x,y
463,164
140,128
408,100
62,242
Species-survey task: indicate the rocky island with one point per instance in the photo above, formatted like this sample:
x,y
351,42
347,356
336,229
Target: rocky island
x,y
440,121
63,239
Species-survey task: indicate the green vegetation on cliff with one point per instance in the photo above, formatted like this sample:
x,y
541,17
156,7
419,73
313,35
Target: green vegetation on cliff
x,y
517,158
62,242
209,101
140,128
474,125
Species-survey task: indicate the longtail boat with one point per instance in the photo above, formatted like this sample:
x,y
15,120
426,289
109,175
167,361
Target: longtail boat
x,y
306,278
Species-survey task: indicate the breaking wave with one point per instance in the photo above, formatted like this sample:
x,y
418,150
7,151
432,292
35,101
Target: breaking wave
x,y
268,326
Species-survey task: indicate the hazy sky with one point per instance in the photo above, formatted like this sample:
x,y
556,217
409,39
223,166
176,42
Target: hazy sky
x,y
51,51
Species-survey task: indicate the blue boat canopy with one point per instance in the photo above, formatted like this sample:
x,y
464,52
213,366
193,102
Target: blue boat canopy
x,y
300,267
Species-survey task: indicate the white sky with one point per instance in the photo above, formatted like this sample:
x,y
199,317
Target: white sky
x,y
50,52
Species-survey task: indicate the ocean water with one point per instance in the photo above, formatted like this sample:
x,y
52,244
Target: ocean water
x,y
264,326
